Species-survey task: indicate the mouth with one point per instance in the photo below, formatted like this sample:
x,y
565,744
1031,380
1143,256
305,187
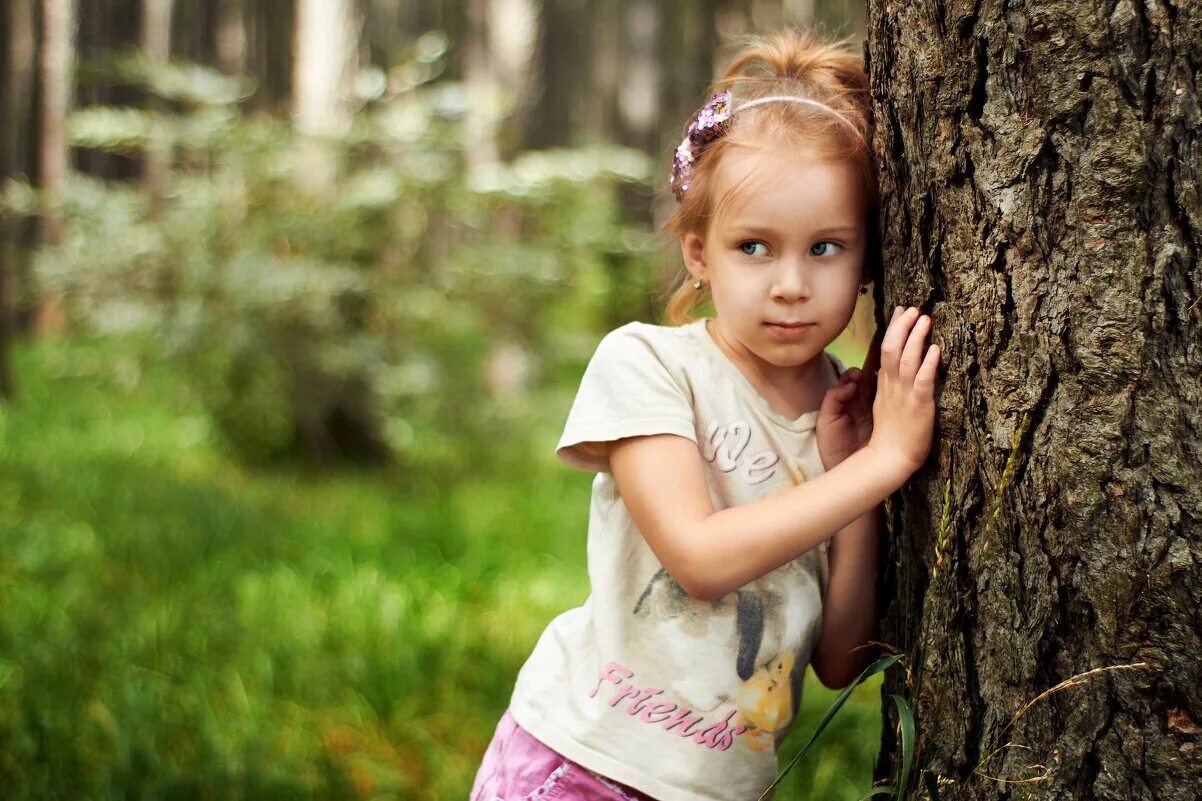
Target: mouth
x,y
789,330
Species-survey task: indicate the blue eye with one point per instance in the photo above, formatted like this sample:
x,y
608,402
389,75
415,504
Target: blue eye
x,y
749,248
823,249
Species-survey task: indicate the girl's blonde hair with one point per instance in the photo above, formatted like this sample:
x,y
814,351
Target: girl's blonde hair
x,y
789,64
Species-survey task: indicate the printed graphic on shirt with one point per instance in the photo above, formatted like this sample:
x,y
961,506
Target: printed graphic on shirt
x,y
724,446
755,634
746,631
645,704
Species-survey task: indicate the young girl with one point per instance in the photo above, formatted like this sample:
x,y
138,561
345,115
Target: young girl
x,y
733,530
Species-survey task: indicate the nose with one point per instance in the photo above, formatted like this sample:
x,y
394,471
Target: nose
x,y
792,281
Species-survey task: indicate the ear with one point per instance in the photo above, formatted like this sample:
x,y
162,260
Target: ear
x,y
692,248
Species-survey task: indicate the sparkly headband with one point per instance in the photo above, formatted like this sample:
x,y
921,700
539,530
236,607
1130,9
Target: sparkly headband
x,y
710,123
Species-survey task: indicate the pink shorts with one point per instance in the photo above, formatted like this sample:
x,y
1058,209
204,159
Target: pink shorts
x,y
517,767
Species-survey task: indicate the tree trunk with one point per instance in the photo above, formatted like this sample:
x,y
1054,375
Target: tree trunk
x,y
156,44
323,72
641,92
103,28
270,27
18,69
58,26
557,98
230,42
481,80
1040,169
58,60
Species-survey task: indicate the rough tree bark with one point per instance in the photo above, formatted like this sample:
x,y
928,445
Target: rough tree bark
x,y
1041,169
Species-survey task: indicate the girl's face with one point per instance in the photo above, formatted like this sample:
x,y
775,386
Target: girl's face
x,y
784,257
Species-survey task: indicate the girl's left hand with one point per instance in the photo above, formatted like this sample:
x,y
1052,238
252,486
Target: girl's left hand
x,y
845,419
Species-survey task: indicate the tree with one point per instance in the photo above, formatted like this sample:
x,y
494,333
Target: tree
x,y
17,70
58,59
58,26
1040,168
156,45
323,74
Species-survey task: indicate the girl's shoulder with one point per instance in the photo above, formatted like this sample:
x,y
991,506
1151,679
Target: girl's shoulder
x,y
671,344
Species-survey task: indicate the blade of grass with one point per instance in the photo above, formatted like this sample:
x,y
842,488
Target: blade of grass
x,y
932,785
906,719
884,789
868,672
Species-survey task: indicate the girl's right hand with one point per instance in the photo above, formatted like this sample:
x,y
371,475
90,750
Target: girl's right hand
x,y
903,413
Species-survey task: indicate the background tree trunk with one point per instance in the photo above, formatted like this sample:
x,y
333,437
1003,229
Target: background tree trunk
x,y
1041,165
156,44
58,58
18,60
323,75
230,41
58,61
103,28
562,44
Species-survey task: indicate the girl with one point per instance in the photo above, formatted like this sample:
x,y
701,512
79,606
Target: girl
x,y
733,527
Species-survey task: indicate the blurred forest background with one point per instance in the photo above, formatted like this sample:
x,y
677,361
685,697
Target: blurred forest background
x,y
294,296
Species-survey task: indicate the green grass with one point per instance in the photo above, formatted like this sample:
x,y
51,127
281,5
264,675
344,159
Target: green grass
x,y
175,625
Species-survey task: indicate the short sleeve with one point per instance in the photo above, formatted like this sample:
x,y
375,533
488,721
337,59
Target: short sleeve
x,y
628,390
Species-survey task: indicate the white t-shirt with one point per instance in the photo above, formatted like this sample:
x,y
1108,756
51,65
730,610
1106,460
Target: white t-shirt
x,y
681,699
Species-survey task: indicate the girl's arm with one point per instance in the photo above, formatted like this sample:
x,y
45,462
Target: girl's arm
x,y
710,554
849,614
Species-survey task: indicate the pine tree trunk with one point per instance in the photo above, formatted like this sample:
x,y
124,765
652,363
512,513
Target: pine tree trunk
x,y
230,37
561,43
58,60
482,83
1041,168
156,45
323,73
17,70
58,27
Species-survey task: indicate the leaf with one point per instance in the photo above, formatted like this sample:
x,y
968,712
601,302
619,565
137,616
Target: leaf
x,y
876,667
884,789
906,719
932,785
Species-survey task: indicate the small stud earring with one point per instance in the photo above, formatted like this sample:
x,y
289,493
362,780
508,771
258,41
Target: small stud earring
x,y
697,284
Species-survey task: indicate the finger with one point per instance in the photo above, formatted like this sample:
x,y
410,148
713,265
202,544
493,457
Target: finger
x,y
832,406
838,396
895,339
850,374
915,344
924,380
846,390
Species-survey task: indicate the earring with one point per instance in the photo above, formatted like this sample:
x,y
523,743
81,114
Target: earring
x,y
697,285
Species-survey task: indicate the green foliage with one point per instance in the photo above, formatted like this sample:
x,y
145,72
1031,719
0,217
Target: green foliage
x,y
400,308
905,717
177,625
877,667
